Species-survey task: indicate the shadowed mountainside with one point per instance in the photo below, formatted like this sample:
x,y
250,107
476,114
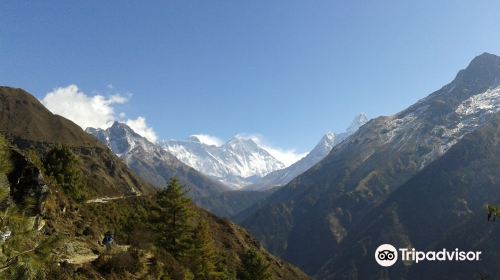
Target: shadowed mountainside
x,y
308,221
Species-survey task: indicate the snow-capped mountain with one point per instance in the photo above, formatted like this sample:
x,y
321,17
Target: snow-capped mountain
x,y
237,163
153,163
320,151
358,121
339,199
120,138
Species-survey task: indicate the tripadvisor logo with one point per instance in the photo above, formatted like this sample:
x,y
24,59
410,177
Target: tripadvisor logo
x,y
386,255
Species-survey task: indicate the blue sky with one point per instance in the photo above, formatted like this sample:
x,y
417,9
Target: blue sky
x,y
286,70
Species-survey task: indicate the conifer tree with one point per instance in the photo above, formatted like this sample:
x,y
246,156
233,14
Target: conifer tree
x,y
5,168
177,230
254,267
5,164
203,253
62,164
22,255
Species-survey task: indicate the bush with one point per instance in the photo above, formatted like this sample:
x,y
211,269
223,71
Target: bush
x,y
63,166
254,267
118,263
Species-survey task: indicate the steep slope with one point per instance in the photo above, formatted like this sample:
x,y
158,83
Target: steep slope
x,y
237,163
153,164
307,221
231,203
320,151
47,234
442,206
29,125
23,116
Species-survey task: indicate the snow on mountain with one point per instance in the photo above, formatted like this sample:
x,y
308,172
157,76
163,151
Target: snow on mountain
x,y
487,102
237,163
358,121
120,138
447,126
127,144
151,162
320,151
335,199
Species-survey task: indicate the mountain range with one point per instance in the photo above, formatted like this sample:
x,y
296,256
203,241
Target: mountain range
x,y
237,163
241,163
62,191
157,166
152,163
320,151
404,179
418,179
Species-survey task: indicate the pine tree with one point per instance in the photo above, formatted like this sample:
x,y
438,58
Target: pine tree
x,y
254,267
5,168
203,253
177,230
63,165
5,164
22,254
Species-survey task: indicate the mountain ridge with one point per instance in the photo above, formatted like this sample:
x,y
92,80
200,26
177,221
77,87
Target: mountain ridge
x,y
29,125
307,220
429,209
320,151
152,163
238,162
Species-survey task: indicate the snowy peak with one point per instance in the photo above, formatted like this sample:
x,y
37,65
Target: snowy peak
x,y
319,152
325,145
204,139
195,139
120,138
151,162
243,145
358,121
238,162
122,128
330,139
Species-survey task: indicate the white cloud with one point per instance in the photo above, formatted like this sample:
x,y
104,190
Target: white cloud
x,y
286,156
209,139
140,127
92,111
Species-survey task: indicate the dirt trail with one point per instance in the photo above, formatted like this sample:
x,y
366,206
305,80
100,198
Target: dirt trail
x,y
81,259
106,199
85,255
